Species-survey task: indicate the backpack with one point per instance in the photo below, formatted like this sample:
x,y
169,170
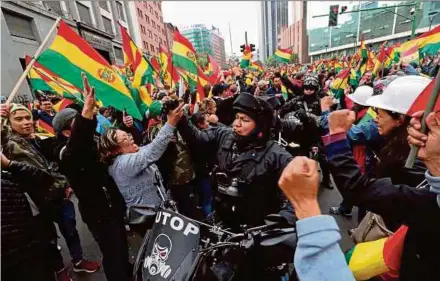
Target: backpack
x,y
183,171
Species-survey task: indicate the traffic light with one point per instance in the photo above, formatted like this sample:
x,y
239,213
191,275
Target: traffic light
x,y
242,48
343,9
333,16
252,47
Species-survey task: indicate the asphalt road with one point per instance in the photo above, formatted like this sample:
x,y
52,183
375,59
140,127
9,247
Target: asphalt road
x,y
327,199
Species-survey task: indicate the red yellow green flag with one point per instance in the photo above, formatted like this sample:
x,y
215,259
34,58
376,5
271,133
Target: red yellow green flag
x,y
283,55
247,55
184,57
69,55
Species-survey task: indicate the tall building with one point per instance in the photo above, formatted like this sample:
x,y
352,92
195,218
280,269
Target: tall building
x,y
206,41
295,35
149,29
25,24
273,17
218,47
169,29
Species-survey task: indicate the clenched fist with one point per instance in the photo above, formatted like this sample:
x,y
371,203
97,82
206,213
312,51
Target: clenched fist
x,y
340,121
299,182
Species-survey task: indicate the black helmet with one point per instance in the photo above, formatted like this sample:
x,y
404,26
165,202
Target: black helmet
x,y
311,81
257,109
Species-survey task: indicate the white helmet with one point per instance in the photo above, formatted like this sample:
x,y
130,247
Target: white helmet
x,y
400,94
361,95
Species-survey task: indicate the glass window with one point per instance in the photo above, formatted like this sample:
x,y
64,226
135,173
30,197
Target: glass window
x,y
140,13
151,9
19,25
108,26
145,44
103,4
54,6
155,37
120,9
154,24
118,53
152,48
147,19
150,34
84,13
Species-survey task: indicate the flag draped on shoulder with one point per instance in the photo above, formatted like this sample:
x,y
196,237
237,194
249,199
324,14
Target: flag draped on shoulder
x,y
184,58
69,55
283,55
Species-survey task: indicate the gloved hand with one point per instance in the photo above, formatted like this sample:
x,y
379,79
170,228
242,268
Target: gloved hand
x,y
301,114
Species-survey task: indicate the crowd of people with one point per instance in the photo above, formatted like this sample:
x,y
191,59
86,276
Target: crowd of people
x,y
245,151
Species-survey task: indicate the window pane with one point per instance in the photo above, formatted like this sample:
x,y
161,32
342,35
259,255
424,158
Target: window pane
x,y
118,53
152,47
103,4
54,6
18,25
107,25
84,13
120,11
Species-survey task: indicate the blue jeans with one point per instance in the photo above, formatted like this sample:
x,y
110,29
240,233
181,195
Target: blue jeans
x,y
65,218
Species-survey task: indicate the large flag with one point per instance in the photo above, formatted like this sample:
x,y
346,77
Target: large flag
x,y
184,57
62,104
43,79
257,66
422,100
283,55
247,55
213,70
426,44
142,72
69,55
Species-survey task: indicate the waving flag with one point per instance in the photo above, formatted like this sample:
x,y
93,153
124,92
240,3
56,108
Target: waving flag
x,y
43,79
340,82
184,58
283,55
422,99
167,71
142,72
214,70
247,55
257,66
62,104
69,55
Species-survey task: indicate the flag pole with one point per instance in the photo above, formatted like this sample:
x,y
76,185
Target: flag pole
x,y
428,109
31,63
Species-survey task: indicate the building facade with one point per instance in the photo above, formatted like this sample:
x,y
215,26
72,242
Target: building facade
x,y
206,41
273,17
295,35
25,24
385,23
149,31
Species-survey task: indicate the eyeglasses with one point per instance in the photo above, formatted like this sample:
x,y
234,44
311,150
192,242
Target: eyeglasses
x,y
128,138
310,88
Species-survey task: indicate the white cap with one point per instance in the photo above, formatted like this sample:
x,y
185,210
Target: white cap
x,y
361,95
400,94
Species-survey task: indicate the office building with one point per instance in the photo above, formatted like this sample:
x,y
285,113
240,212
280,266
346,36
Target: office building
x,y
25,24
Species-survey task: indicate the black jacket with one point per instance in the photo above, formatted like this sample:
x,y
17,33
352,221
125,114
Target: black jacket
x,y
98,196
416,208
22,234
256,170
225,112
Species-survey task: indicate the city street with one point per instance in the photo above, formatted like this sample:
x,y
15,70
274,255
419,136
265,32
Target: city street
x,y
327,199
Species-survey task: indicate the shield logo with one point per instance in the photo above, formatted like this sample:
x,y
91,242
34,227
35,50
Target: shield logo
x,y
106,75
191,56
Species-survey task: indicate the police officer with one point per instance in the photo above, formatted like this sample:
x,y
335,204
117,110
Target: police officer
x,y
306,107
248,164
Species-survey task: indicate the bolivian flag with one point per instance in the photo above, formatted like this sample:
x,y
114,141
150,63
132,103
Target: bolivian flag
x,y
369,259
69,55
43,79
184,57
283,55
62,104
257,66
247,55
167,71
45,128
339,84
142,72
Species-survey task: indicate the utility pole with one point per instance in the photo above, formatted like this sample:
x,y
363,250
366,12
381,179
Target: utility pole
x,y
230,38
245,37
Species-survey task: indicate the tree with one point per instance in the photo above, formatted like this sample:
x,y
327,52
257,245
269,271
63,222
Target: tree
x,y
271,61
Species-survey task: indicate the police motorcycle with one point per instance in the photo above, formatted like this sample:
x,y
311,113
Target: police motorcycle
x,y
179,248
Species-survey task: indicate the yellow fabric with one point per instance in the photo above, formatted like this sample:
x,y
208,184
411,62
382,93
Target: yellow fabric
x,y
367,260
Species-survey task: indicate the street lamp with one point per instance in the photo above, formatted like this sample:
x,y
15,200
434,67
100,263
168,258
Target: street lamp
x,y
431,16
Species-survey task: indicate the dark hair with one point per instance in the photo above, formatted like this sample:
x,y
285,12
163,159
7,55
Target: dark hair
x,y
102,109
396,148
198,118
